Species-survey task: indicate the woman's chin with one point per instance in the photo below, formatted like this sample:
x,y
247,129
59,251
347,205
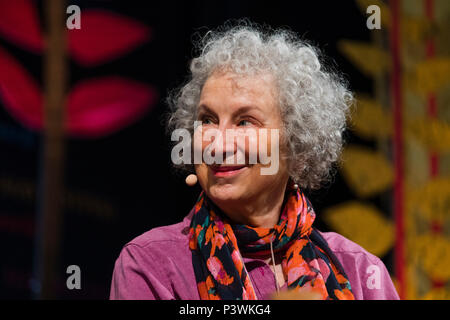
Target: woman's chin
x,y
226,192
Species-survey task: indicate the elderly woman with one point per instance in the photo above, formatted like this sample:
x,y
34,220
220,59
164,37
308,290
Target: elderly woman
x,y
250,234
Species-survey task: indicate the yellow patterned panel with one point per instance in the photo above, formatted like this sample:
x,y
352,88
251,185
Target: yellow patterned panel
x,y
437,294
416,29
370,119
363,224
367,172
413,29
433,200
432,74
369,58
434,134
434,252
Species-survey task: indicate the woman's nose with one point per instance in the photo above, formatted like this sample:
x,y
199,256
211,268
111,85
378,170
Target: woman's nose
x,y
224,142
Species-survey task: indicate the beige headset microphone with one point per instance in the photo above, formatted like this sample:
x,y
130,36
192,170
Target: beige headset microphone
x,y
191,180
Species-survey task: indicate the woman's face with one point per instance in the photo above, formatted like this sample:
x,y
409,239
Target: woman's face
x,y
246,105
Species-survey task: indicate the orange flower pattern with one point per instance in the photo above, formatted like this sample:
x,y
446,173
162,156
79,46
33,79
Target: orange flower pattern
x,y
308,261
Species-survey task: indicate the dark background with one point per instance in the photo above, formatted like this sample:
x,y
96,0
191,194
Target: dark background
x,y
128,173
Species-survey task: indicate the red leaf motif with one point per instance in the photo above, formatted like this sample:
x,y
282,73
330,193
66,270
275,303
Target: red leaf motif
x,y
99,107
19,23
20,93
105,36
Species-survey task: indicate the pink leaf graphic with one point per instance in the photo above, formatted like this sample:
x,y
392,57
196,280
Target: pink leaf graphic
x,y
20,93
105,36
99,107
95,107
19,23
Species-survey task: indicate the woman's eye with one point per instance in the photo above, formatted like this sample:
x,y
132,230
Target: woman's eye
x,y
206,121
244,123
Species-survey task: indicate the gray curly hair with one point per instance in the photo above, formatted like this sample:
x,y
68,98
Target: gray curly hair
x,y
313,101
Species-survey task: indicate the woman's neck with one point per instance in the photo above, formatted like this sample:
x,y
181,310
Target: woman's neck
x,y
263,211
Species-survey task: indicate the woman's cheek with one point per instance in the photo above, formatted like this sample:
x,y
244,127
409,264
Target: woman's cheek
x,y
258,145
252,148
200,142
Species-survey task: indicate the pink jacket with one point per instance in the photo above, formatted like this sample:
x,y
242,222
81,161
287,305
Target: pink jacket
x,y
158,265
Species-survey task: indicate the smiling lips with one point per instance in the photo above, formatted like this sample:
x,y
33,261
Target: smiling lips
x,y
226,171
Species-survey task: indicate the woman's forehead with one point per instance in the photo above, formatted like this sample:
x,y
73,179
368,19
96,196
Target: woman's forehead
x,y
237,89
240,82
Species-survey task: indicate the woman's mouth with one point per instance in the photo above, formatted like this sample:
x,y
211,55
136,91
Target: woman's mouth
x,y
227,171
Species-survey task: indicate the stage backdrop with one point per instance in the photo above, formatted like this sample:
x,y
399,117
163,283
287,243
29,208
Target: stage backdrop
x,y
391,193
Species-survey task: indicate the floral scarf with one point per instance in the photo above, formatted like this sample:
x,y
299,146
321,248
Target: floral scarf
x,y
216,247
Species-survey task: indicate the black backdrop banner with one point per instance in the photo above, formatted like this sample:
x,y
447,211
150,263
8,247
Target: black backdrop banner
x,y
121,184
